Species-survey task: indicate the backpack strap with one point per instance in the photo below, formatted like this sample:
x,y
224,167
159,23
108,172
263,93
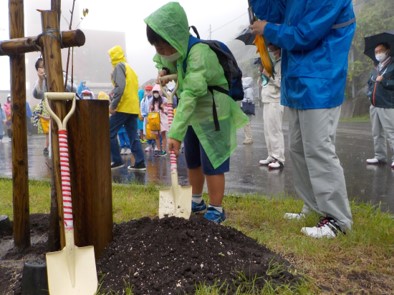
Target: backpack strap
x,y
214,112
192,41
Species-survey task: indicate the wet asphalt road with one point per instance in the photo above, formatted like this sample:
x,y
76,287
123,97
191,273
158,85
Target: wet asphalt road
x,y
374,184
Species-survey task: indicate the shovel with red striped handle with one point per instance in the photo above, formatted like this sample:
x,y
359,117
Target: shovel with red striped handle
x,y
176,200
71,270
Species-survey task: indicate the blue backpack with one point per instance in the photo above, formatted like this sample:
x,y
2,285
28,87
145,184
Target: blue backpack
x,y
230,67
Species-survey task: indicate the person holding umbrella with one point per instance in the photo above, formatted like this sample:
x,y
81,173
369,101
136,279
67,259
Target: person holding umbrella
x,y
381,96
315,37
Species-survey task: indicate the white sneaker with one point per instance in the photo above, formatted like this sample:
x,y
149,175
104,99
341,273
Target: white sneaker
x,y
122,151
373,161
127,151
275,165
326,228
392,165
267,161
148,149
292,216
248,141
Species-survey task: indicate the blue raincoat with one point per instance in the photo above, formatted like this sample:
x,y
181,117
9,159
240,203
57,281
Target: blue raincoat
x,y
315,37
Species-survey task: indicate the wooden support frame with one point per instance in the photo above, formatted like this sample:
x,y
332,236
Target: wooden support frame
x,y
92,192
15,48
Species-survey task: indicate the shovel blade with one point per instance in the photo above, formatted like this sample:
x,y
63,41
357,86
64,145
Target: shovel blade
x,y
175,201
72,271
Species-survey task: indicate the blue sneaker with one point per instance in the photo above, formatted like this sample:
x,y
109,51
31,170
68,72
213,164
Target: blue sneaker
x,y
199,208
214,215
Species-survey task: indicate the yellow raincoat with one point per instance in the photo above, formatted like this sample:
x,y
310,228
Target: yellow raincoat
x,y
195,104
129,101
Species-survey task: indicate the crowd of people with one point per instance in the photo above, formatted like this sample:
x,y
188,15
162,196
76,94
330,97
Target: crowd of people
x,y
310,87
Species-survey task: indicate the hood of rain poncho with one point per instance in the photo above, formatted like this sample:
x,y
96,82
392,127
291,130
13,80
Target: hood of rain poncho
x,y
117,55
176,30
141,93
81,87
156,88
102,96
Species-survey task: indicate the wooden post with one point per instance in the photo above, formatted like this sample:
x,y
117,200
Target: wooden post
x,y
92,183
90,164
50,44
20,191
56,6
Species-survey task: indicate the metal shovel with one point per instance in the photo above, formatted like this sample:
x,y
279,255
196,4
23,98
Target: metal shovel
x,y
176,200
73,269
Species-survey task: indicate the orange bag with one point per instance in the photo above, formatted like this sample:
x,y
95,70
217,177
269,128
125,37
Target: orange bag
x,y
44,125
148,132
154,121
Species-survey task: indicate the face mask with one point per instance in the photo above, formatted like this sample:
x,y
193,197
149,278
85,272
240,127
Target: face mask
x,y
171,58
156,95
381,56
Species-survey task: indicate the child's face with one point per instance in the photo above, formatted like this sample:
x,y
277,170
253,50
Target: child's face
x,y
41,69
164,49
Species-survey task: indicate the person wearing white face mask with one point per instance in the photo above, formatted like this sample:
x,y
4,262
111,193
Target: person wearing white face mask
x,y
381,95
207,150
159,104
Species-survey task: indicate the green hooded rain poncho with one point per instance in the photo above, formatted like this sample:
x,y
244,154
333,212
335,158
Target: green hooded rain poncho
x,y
195,103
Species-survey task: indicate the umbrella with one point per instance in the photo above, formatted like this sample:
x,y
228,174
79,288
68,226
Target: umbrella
x,y
249,38
259,41
372,41
246,36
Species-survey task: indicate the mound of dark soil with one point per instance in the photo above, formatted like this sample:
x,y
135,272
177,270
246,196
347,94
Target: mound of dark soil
x,y
173,256
162,256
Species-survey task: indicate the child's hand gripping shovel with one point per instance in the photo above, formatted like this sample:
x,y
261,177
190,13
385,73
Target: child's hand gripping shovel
x,y
177,200
73,269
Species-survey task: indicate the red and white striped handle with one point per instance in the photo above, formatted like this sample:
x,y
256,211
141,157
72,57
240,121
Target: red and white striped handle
x,y
65,180
173,160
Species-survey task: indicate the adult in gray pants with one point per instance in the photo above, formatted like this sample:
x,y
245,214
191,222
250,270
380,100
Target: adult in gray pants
x,y
381,95
315,39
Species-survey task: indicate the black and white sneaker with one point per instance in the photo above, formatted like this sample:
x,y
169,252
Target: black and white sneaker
x,y
137,167
115,166
326,228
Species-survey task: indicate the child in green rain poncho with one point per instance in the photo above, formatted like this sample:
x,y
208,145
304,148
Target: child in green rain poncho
x,y
207,151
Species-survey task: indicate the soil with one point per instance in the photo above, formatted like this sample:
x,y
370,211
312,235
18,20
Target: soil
x,y
160,256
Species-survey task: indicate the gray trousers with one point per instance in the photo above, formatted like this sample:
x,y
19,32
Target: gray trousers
x,y
382,121
273,132
317,173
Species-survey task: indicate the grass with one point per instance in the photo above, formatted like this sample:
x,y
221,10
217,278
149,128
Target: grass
x,y
358,119
360,262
